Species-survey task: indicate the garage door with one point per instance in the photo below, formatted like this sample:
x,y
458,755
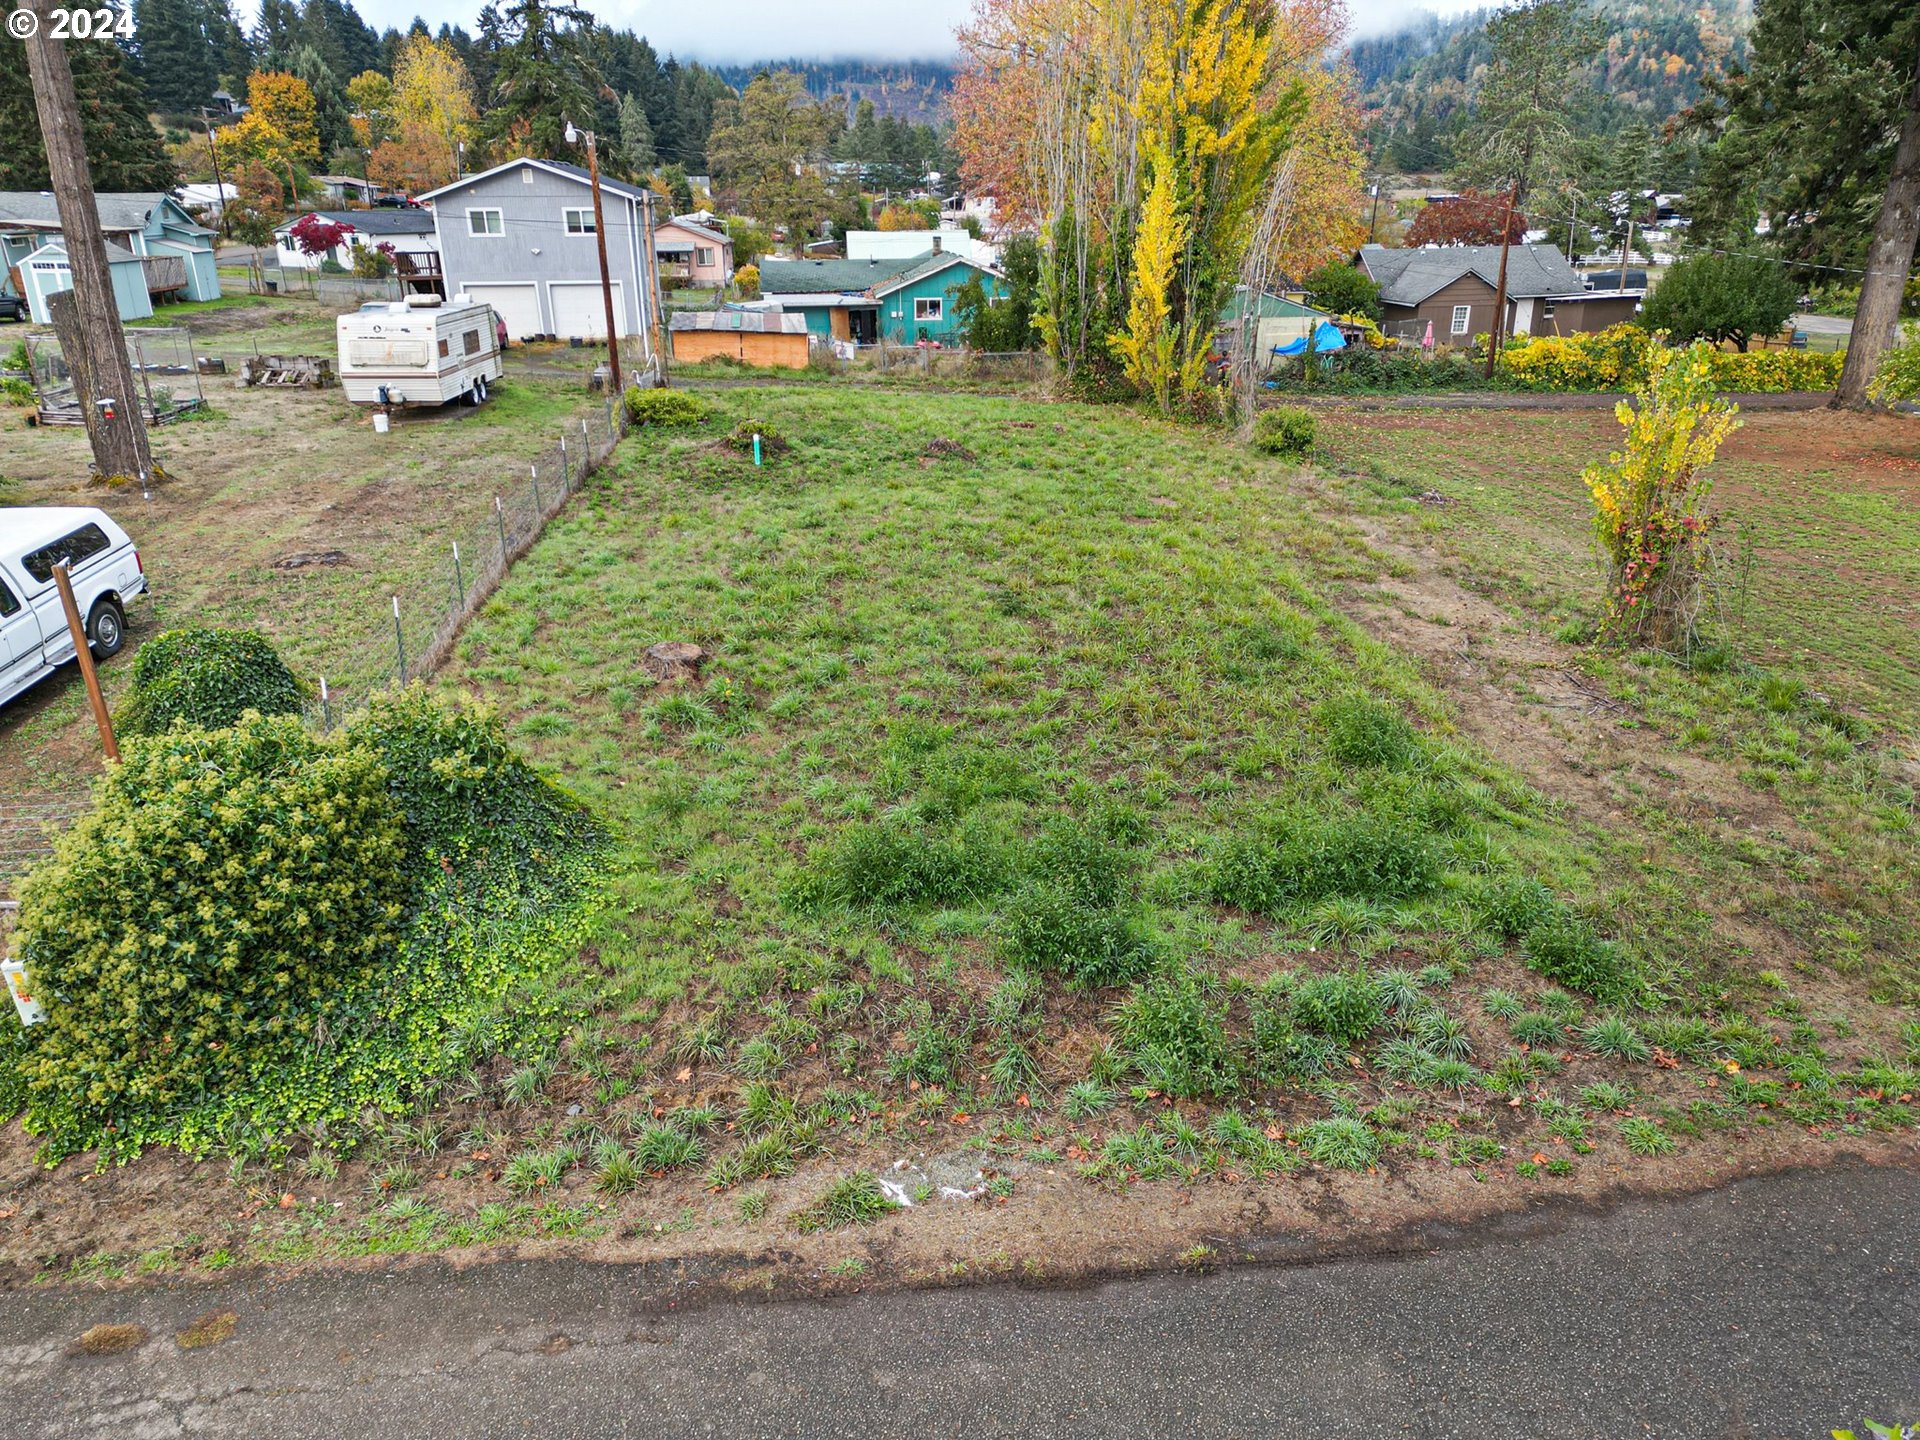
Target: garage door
x,y
578,309
518,305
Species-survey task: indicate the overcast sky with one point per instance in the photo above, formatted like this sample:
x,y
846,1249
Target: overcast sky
x,y
745,30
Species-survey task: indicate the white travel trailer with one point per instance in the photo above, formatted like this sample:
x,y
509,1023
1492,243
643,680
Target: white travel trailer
x,y
419,351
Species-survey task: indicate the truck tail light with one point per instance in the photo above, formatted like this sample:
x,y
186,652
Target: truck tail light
x,y
136,563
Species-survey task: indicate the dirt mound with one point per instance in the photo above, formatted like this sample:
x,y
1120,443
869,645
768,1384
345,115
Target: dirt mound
x,y
945,449
301,559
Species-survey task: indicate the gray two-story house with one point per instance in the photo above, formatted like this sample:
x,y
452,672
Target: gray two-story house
x,y
520,238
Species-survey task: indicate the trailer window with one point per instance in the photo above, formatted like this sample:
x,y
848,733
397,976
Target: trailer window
x,y
87,541
473,342
373,353
443,349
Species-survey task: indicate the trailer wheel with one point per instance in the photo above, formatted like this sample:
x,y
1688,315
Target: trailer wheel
x,y
107,629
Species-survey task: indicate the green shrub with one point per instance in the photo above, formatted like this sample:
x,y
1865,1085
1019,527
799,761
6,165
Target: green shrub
x,y
1175,1030
900,862
1283,1052
1362,731
772,441
1565,948
1308,857
207,678
460,787
665,407
229,893
1286,431
1342,1142
1343,1006
1513,905
1051,928
855,1199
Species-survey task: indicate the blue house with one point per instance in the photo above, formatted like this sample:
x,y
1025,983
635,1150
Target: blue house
x,y
152,233
902,300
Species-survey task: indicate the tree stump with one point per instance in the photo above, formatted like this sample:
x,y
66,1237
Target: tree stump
x,y
674,660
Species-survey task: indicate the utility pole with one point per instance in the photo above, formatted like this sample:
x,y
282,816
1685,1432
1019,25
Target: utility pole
x,y
93,341
206,118
1373,221
1500,291
84,656
574,137
1625,246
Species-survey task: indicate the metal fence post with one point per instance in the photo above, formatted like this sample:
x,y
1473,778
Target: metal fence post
x,y
566,471
326,707
534,469
459,579
399,642
500,514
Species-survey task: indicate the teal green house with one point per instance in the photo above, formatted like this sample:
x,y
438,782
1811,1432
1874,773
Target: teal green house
x,y
902,301
155,250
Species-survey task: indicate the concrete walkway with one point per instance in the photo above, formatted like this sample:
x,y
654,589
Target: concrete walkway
x,y
1775,1307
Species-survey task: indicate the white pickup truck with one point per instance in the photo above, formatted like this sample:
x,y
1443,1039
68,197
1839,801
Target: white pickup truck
x,y
106,574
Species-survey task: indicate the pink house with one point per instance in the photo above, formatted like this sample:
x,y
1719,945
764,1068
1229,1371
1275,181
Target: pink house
x,y
693,253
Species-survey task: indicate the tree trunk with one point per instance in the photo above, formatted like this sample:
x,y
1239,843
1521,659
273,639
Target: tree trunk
x,y
1889,260
1500,290
94,344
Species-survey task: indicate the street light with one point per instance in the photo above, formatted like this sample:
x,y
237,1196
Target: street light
x,y
574,137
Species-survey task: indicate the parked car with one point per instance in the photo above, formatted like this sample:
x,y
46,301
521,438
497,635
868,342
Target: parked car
x,y
106,574
12,307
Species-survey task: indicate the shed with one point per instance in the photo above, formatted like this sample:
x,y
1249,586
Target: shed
x,y
757,337
46,272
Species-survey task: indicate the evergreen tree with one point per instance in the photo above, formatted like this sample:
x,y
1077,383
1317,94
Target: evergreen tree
x,y
330,117
542,74
178,61
276,34
123,149
636,138
232,52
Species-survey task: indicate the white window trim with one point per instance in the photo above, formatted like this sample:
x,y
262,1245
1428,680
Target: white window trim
x,y
474,234
1462,319
703,254
920,313
585,212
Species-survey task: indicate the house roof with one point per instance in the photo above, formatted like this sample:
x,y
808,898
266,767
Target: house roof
x,y
116,254
694,227
1407,277
1269,307
36,209
765,322
924,265
372,222
830,277
552,167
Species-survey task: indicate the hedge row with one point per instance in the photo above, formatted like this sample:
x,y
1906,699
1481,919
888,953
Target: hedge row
x,y
1617,358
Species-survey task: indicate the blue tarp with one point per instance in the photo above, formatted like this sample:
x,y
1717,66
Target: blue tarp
x,y
1327,338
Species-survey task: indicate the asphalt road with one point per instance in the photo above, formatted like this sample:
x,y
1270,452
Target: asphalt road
x,y
1777,1307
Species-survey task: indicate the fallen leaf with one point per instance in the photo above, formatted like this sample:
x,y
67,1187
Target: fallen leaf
x,y
287,1202
683,1074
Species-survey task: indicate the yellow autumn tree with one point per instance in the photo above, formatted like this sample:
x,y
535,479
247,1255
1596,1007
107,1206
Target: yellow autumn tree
x,y
433,104
282,103
1648,499
1149,348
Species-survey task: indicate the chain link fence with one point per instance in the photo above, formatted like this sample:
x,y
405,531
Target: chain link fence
x,y
427,611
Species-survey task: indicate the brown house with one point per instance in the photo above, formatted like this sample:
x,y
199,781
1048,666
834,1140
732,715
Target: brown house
x,y
1453,288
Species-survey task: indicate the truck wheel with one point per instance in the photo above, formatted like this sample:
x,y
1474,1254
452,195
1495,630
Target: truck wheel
x,y
107,628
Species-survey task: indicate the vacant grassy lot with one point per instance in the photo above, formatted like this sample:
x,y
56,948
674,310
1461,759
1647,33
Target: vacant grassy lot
x,y
1779,764
1051,815
271,475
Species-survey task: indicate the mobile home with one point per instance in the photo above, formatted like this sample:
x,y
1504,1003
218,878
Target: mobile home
x,y
419,351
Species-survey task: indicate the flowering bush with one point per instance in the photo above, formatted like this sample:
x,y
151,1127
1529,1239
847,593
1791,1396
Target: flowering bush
x,y
1775,371
1647,498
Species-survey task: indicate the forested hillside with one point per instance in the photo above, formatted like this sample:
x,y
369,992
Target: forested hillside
x,y
914,90
1418,85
